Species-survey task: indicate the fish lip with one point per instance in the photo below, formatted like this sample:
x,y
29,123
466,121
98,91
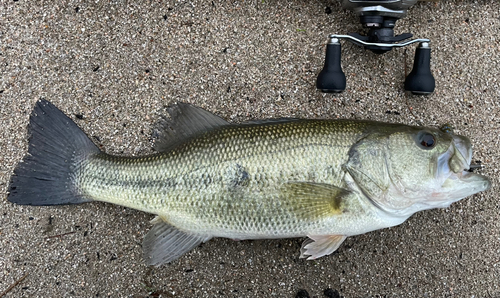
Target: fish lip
x,y
475,182
456,187
460,185
456,159
457,182
470,177
463,147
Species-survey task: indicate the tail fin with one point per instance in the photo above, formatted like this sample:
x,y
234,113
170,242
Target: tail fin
x,y
46,175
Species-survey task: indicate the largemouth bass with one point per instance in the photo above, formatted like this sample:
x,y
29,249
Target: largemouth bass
x,y
321,179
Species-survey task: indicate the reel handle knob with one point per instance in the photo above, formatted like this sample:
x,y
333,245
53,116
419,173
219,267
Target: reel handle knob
x,y
420,80
332,79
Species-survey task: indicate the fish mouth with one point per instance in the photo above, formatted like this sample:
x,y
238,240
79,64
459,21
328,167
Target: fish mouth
x,y
462,157
453,170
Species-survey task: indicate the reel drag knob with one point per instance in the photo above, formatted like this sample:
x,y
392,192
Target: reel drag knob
x,y
420,80
332,79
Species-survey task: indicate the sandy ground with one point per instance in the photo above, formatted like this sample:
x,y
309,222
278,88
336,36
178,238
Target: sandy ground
x,y
117,65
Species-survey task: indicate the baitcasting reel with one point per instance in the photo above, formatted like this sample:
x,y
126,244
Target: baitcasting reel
x,y
379,17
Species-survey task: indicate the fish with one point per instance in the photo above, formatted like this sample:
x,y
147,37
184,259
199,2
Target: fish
x,y
266,179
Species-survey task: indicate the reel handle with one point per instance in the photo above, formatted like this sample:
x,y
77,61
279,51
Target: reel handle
x,y
420,81
332,79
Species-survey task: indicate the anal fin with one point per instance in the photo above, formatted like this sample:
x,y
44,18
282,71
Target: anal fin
x,y
165,243
317,246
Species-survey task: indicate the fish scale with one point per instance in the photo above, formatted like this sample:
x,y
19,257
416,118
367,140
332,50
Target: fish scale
x,y
324,179
198,175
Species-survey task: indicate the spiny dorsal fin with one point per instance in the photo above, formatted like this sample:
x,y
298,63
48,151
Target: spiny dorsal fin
x,y
186,121
270,121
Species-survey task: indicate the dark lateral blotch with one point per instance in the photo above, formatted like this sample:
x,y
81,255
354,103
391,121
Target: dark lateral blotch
x,y
238,176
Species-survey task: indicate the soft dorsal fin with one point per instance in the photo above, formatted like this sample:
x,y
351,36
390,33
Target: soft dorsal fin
x,y
185,121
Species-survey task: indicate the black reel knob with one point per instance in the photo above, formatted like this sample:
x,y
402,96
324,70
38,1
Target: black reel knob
x,y
420,80
332,79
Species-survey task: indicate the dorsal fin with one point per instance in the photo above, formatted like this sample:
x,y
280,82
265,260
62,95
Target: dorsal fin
x,y
186,121
270,121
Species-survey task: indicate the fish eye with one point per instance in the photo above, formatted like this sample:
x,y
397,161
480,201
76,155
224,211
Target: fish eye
x,y
426,140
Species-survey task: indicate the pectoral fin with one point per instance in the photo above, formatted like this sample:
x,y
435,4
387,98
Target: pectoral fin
x,y
165,243
317,246
314,200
